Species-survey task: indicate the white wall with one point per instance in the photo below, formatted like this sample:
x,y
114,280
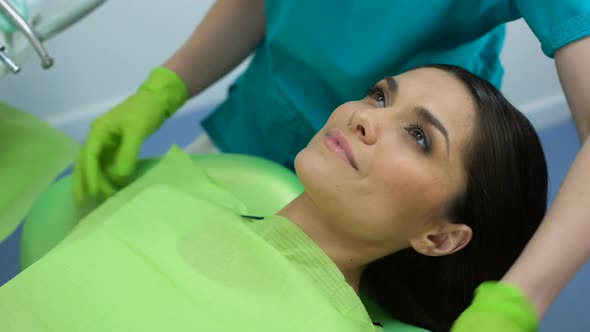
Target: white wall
x,y
103,58
530,79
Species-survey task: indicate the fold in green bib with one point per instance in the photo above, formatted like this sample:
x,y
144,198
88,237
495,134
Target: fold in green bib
x,y
32,154
172,253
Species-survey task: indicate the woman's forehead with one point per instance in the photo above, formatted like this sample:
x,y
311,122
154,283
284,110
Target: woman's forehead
x,y
445,96
431,79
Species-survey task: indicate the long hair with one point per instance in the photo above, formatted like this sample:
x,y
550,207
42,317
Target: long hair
x,y
504,203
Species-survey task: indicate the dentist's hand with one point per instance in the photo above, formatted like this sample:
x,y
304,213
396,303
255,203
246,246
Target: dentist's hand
x,y
110,153
498,307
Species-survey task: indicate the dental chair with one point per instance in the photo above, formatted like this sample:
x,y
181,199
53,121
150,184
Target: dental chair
x,y
55,214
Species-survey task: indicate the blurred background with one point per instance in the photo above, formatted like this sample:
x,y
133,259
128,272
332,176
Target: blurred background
x,y
104,57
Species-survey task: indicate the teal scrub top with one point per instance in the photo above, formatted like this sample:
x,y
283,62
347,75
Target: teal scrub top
x,y
319,54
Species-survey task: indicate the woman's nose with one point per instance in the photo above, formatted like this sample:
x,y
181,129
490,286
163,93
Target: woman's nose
x,y
364,125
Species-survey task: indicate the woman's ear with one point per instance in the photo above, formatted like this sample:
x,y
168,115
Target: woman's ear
x,y
443,240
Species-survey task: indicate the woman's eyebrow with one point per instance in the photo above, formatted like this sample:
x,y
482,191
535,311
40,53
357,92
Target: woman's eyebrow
x,y
423,113
427,116
392,85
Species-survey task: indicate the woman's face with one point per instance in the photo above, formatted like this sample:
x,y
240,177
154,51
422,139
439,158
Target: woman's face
x,y
386,167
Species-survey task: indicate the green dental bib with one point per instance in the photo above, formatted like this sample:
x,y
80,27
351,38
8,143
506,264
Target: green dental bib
x,y
179,257
172,252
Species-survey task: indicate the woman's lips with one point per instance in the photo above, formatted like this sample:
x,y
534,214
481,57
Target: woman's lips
x,y
337,142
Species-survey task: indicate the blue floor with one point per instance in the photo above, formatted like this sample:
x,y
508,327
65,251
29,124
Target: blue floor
x,y
9,256
560,143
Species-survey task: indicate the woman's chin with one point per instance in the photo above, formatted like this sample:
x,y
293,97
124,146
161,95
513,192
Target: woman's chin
x,y
311,166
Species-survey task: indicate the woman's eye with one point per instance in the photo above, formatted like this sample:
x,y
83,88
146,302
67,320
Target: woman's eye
x,y
378,95
420,136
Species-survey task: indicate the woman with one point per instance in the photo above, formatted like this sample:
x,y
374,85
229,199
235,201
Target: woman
x,y
416,194
443,172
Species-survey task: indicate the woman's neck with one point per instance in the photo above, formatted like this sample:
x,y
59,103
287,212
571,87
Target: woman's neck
x,y
345,251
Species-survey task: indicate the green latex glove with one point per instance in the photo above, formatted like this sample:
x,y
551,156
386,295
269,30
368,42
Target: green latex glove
x,y
110,153
498,307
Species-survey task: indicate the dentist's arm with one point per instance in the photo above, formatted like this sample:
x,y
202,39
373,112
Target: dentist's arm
x,y
561,245
227,35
